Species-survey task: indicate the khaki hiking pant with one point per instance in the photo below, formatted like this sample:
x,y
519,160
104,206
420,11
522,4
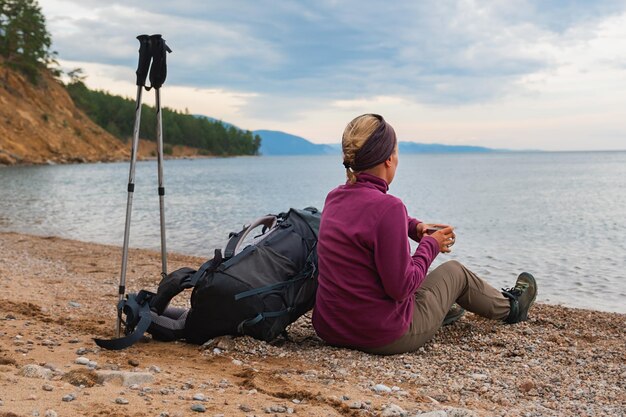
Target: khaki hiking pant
x,y
449,283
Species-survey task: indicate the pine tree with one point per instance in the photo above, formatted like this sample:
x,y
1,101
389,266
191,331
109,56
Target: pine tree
x,y
24,40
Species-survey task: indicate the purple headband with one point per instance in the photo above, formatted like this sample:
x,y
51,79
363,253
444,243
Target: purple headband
x,y
376,149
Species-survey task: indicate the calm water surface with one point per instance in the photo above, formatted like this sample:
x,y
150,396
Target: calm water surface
x,y
560,216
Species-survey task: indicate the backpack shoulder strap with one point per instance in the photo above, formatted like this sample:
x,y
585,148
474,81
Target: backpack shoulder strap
x,y
138,319
123,342
208,266
169,287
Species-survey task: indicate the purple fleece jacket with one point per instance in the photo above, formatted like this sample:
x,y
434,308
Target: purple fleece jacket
x,y
367,275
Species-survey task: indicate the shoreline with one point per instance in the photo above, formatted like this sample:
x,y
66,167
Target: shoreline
x,y
121,160
146,152
199,260
57,294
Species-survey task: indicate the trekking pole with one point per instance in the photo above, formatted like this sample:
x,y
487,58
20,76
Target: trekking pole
x,y
142,72
158,73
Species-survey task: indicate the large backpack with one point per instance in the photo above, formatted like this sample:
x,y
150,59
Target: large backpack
x,y
255,290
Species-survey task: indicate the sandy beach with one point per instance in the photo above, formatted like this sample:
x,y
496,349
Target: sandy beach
x,y
56,295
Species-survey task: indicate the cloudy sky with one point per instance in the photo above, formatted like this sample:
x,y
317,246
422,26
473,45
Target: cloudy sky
x,y
530,74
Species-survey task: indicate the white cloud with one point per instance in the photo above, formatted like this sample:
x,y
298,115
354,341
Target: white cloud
x,y
361,104
526,74
217,103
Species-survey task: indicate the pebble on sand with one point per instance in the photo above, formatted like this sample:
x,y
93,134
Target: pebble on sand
x,y
81,360
198,408
35,371
436,413
380,388
245,408
125,378
355,405
68,398
393,410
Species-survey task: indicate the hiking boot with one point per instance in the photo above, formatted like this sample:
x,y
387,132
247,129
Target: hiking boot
x,y
522,296
455,313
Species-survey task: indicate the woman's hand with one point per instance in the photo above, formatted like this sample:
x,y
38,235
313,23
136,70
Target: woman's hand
x,y
445,237
424,229
421,230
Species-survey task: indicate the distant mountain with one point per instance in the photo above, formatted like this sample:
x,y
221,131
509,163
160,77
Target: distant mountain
x,y
274,142
281,143
414,147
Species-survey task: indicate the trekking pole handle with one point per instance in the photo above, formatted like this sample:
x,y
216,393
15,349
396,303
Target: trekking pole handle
x,y
159,51
145,56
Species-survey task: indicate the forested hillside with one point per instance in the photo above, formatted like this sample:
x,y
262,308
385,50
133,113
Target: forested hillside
x,y
117,114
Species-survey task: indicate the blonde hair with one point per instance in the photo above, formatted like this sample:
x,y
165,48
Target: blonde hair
x,y
354,136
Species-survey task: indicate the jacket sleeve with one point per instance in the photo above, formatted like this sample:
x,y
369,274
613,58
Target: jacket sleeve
x,y
413,228
401,274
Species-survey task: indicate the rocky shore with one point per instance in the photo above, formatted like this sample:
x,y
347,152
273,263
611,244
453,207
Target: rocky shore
x,y
56,295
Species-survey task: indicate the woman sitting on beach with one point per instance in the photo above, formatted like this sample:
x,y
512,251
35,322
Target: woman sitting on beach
x,y
373,295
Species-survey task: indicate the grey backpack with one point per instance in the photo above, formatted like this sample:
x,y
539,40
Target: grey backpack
x,y
256,289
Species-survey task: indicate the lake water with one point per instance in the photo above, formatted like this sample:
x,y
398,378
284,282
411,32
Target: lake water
x,y
560,216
